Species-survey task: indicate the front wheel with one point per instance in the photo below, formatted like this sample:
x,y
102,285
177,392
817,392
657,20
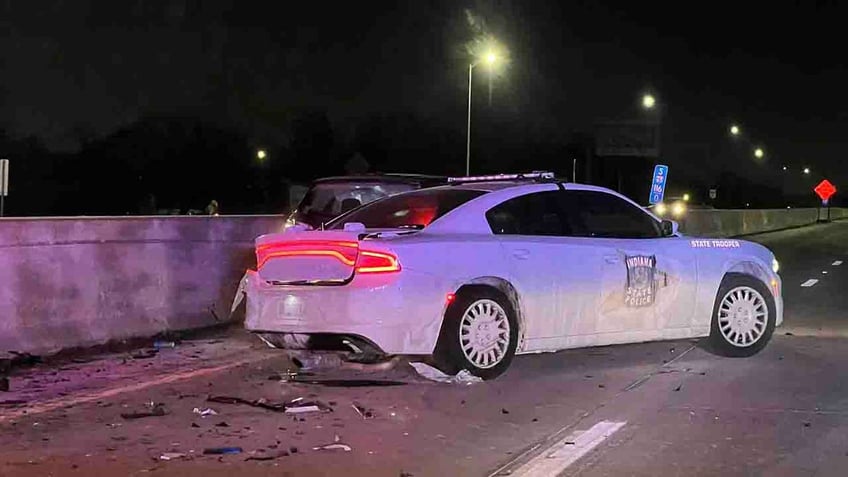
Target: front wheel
x,y
479,334
743,316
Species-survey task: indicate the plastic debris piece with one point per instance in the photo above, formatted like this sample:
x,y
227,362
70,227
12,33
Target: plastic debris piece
x,y
302,409
164,344
205,412
172,456
222,450
434,374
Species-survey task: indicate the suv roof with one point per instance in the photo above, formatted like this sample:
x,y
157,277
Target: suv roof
x,y
390,176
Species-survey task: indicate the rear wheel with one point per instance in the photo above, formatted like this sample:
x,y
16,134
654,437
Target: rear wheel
x,y
743,316
479,334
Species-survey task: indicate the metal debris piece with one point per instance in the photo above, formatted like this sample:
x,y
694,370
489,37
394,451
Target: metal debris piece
x,y
365,413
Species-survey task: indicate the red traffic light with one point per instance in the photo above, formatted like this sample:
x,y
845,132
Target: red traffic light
x,y
825,189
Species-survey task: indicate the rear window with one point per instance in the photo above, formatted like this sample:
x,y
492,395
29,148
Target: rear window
x,y
414,210
332,199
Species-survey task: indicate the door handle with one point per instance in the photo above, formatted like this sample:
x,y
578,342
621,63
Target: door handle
x,y
612,258
521,253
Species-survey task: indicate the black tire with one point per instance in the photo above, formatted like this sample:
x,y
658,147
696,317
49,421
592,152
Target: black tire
x,y
721,344
449,356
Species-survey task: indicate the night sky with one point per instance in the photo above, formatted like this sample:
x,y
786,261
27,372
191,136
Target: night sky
x,y
776,69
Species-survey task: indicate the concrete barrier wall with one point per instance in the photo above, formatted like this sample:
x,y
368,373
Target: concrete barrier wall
x,y
85,281
729,223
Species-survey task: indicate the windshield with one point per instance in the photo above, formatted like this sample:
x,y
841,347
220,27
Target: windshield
x,y
325,201
414,210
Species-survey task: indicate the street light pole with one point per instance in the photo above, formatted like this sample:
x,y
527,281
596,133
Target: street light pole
x,y
468,127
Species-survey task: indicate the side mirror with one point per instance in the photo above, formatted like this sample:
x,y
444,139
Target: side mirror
x,y
669,228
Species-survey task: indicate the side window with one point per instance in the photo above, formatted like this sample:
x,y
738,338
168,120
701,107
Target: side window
x,y
538,213
598,214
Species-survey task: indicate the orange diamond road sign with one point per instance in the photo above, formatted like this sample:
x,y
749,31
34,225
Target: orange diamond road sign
x,y
825,189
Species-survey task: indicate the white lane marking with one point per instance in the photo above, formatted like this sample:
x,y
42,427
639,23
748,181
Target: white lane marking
x,y
565,452
809,282
63,402
837,263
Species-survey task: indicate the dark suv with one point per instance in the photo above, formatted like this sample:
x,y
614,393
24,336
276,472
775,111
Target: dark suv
x,y
330,197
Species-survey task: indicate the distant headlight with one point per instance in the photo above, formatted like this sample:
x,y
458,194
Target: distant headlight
x,y
678,209
775,266
661,208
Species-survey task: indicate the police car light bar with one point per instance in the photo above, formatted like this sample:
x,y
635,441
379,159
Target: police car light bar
x,y
538,175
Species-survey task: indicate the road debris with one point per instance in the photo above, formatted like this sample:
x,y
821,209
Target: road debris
x,y
365,413
205,412
351,383
158,345
306,407
4,384
153,410
295,406
222,450
261,403
336,445
172,456
264,456
434,374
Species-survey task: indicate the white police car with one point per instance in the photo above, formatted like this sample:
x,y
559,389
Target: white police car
x,y
482,269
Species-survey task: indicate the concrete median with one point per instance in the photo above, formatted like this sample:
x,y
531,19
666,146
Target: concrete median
x,y
72,282
86,281
731,223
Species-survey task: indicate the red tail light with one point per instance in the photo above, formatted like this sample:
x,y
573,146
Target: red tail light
x,y
345,252
348,253
376,262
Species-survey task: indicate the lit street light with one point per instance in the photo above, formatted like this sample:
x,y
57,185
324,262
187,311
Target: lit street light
x,y
759,153
649,101
686,197
261,154
491,58
784,168
806,170
734,130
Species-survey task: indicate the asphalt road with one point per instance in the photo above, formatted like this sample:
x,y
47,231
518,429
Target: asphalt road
x,y
667,408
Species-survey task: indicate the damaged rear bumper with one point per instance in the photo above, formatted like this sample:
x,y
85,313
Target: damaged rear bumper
x,y
369,313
